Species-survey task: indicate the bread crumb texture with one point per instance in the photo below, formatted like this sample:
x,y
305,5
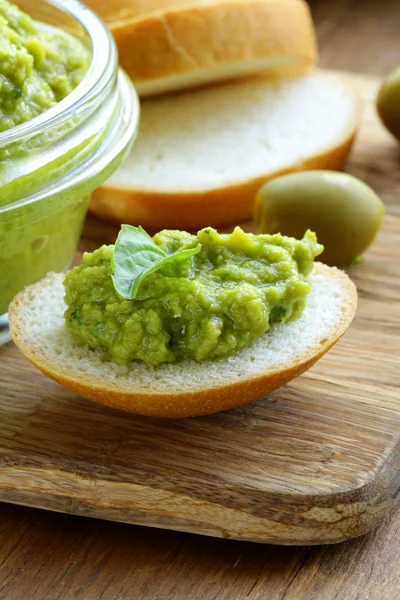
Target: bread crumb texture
x,y
222,136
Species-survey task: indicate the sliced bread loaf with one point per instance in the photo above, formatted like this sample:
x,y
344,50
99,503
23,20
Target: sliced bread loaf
x,y
112,11
187,44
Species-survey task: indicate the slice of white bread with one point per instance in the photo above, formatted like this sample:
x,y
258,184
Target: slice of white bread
x,y
186,388
201,157
188,44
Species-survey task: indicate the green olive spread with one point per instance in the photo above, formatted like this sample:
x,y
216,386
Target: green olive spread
x,y
39,66
204,307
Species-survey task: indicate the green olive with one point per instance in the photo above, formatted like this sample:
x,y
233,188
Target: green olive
x,y
343,211
388,103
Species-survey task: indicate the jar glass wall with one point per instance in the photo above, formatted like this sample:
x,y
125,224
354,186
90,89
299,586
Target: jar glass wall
x,y
50,165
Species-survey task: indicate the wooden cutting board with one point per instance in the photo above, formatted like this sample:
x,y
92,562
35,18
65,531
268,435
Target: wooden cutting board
x,y
316,462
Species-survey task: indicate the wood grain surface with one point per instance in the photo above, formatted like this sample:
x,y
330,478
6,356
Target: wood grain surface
x,y
317,461
45,555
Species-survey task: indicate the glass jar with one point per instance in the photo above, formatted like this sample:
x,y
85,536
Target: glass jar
x,y
50,165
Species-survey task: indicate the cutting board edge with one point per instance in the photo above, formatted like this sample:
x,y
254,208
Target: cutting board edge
x,y
294,539
331,518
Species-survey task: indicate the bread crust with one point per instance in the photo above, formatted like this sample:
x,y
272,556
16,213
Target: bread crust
x,y
207,37
118,10
177,404
192,211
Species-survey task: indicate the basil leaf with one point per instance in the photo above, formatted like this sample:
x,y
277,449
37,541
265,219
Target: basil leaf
x,y
135,256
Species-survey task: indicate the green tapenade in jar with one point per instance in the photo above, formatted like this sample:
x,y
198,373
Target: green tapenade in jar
x,y
68,117
204,307
38,66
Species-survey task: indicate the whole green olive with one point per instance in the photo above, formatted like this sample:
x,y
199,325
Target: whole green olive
x,y
388,103
343,211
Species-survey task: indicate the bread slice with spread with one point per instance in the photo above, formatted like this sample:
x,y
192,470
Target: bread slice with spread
x,y
186,388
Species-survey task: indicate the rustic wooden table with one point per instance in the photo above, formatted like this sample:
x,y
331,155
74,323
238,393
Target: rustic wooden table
x,y
52,556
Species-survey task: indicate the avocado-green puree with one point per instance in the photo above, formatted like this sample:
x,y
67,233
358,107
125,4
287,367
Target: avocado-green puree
x,y
38,67
205,307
